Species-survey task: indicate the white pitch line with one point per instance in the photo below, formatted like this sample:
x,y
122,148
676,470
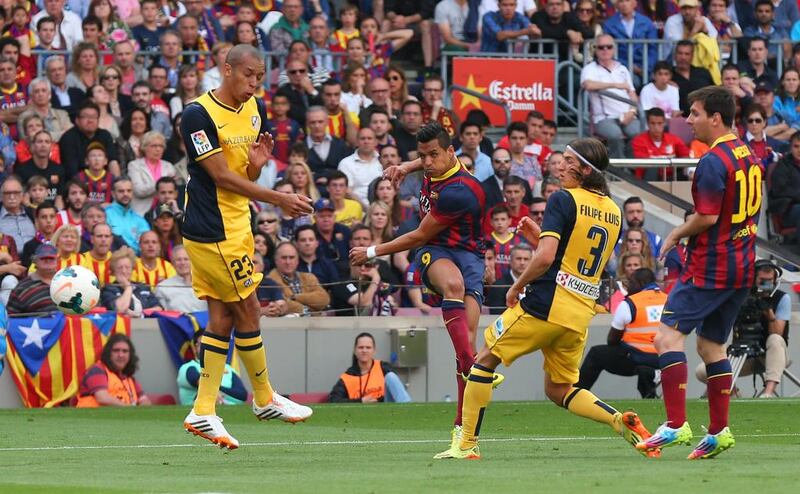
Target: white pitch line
x,y
349,443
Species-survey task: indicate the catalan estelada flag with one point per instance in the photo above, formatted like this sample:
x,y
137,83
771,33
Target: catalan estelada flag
x,y
178,329
48,356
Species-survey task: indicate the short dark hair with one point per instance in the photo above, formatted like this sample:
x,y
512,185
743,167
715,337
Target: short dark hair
x,y
92,20
763,2
632,200
431,131
90,105
514,180
411,102
501,208
550,123
534,114
467,124
761,39
663,65
518,126
358,227
538,200
655,112
716,99
47,204
754,108
685,42
338,175
729,67
47,18
299,148
9,41
377,111
642,277
153,67
303,228
166,180
328,82
479,117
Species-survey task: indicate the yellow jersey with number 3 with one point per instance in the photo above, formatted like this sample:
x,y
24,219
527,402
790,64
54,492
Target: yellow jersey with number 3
x,y
587,226
209,127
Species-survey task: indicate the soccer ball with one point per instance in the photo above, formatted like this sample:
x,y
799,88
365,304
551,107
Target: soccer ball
x,y
75,290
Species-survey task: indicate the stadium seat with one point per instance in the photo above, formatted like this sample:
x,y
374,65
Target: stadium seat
x,y
306,398
162,399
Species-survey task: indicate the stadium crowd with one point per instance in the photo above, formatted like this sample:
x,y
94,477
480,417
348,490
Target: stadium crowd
x,y
94,167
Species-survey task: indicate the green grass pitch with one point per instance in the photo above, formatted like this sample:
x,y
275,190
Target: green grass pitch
x,y
526,447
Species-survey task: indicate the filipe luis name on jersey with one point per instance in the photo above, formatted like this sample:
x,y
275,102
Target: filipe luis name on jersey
x,y
598,214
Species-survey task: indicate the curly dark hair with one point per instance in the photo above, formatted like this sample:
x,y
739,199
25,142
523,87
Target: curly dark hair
x,y
133,362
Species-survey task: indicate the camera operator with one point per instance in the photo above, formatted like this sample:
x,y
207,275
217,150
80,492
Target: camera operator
x,y
761,330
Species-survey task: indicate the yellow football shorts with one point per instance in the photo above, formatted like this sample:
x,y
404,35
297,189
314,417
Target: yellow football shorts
x,y
223,270
516,333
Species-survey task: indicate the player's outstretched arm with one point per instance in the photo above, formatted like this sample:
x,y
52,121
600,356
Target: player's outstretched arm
x,y
543,257
426,230
223,177
529,230
696,224
396,173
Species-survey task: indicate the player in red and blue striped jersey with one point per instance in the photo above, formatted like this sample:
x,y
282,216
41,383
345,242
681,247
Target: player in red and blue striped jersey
x,y
449,243
719,272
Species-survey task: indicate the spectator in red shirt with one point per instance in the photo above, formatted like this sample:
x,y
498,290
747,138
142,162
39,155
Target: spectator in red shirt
x,y
767,149
513,192
656,143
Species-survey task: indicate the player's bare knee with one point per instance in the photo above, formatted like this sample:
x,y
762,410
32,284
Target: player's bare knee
x,y
454,288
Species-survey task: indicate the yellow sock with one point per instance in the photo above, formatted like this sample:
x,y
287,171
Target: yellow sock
x,y
213,352
250,348
477,396
584,403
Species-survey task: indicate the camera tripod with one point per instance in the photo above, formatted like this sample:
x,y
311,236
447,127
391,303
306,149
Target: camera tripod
x,y
738,353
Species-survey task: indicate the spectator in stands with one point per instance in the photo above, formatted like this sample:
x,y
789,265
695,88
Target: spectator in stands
x,y
209,26
347,211
555,166
613,120
656,143
91,215
628,24
74,198
68,24
755,70
523,165
63,97
175,293
334,238
84,64
470,134
110,78
56,122
783,189
151,267
299,175
519,259
727,29
741,89
166,227
325,151
14,219
124,295
95,176
504,24
450,17
380,124
212,77
688,77
688,23
110,381
67,242
557,24
660,93
341,123
33,293
302,291
124,221
379,220
380,382
148,32
41,165
318,39
633,211
78,138
98,95
382,189
290,27
764,95
166,194
188,90
146,171
45,227
493,186
405,133
398,89
767,28
433,107
414,14
369,289
98,259
231,391
142,97
787,99
629,350
635,241
765,148
129,71
354,83
15,98
547,135
591,25
502,238
305,239
169,56
513,194
299,50
134,126
383,45
537,209
363,166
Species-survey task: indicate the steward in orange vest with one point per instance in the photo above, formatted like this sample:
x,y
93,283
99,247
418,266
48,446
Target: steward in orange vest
x,y
102,386
629,350
353,386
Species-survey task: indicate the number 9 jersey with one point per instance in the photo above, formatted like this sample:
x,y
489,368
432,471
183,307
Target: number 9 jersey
x,y
587,225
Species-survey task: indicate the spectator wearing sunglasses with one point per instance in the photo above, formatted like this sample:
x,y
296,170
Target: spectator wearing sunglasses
x,y
767,149
302,94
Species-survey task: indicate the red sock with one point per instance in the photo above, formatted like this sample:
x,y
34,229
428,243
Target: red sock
x,y
674,374
461,384
718,385
455,318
